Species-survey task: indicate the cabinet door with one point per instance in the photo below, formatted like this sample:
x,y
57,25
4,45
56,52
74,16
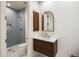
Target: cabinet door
x,y
44,47
35,21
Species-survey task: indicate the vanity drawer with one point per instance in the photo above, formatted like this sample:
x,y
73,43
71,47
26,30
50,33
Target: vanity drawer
x,y
44,47
41,43
43,50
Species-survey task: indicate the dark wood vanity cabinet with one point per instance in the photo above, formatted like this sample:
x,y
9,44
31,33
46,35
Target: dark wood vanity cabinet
x,y
45,47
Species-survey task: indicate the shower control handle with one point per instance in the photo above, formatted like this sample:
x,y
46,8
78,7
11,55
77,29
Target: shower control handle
x,y
26,37
6,41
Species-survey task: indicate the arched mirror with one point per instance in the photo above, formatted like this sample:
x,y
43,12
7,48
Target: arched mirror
x,y
48,21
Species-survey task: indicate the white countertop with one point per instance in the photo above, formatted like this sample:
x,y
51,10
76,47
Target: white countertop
x,y
51,39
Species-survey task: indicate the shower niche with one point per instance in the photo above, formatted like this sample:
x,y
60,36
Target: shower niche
x,y
15,17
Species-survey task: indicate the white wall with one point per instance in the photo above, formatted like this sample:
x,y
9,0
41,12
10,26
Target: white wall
x,y
66,25
32,6
2,29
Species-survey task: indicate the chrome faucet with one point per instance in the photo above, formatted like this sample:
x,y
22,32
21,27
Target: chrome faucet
x,y
46,35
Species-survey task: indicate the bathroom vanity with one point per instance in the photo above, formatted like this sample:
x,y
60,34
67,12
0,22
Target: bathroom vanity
x,y
45,44
46,47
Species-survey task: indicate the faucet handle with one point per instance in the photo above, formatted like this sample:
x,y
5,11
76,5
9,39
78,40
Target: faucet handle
x,y
48,36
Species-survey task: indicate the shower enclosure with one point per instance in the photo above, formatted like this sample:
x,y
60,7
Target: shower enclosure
x,y
15,25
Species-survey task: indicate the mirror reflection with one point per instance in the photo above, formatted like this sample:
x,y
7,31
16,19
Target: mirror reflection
x,y
48,21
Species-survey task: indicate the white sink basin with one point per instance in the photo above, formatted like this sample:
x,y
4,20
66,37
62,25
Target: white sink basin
x,y
50,39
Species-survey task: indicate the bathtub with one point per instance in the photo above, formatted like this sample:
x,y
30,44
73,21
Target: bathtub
x,y
17,50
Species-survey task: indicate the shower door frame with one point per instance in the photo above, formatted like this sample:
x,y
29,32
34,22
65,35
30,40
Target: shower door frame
x,y
3,35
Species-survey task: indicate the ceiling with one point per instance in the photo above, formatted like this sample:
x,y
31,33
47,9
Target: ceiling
x,y
16,4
